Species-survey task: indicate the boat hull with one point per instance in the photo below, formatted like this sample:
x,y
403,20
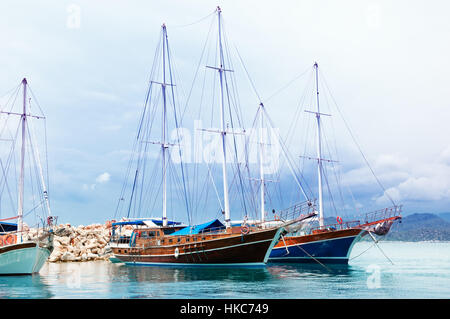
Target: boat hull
x,y
252,249
331,247
23,259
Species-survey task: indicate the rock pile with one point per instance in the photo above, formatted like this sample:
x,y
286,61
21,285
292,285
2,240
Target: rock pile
x,y
81,243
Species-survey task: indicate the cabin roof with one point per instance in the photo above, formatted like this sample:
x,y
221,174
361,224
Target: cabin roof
x,y
141,222
192,230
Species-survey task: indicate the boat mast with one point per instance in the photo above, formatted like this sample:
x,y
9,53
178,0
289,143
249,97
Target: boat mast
x,y
221,69
22,164
261,167
163,142
319,149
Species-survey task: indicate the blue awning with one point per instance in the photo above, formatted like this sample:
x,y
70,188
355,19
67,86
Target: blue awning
x,y
159,222
199,228
128,222
7,227
140,222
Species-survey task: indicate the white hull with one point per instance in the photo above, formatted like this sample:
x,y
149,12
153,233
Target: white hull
x,y
22,259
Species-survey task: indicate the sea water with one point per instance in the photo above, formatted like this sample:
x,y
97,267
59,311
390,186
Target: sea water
x,y
390,271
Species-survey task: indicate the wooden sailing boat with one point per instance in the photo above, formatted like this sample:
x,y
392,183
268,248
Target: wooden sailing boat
x,y
210,243
20,254
330,243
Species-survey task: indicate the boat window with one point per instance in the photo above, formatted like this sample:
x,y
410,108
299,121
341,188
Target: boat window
x,y
168,231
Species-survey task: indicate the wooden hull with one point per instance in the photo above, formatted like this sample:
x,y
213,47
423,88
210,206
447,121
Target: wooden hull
x,y
326,247
230,249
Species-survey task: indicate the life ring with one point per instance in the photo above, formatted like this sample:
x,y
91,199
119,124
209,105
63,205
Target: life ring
x,y
1,241
339,220
276,217
245,229
176,253
9,240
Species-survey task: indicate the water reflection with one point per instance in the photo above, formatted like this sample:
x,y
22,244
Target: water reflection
x,y
31,286
283,270
189,274
410,277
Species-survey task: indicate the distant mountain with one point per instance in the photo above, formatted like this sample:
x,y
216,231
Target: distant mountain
x,y
421,227
445,216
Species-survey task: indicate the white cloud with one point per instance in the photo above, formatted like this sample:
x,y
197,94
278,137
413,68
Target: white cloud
x,y
103,178
444,157
428,181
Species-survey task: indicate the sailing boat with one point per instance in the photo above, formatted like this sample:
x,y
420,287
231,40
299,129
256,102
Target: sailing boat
x,y
210,243
330,243
20,254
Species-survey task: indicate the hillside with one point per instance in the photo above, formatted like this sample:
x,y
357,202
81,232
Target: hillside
x,y
445,216
420,227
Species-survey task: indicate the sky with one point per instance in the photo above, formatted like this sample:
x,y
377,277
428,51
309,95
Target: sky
x,y
88,64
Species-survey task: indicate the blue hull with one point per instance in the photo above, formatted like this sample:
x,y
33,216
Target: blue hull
x,y
335,251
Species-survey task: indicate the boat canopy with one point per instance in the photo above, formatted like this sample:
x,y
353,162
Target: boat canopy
x,y
7,227
144,222
192,230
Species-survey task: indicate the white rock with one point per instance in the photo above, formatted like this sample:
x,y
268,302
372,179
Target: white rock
x,y
67,256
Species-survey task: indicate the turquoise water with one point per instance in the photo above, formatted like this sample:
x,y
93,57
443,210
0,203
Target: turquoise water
x,y
419,270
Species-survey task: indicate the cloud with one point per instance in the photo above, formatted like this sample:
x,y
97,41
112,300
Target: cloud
x,y
444,157
425,181
390,169
103,178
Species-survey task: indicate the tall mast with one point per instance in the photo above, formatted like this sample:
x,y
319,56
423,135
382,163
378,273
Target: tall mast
x,y
22,164
221,69
319,149
163,142
261,167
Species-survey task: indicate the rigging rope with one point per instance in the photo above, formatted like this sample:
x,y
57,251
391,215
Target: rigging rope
x,y
287,85
354,140
195,22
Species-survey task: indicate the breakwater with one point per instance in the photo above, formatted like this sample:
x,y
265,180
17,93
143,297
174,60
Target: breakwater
x,y
78,243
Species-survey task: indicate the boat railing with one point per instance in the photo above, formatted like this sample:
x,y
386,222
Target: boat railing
x,y
393,212
370,218
295,211
26,234
120,239
337,226
212,230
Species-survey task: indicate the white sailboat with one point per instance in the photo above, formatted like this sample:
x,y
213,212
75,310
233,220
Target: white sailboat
x,y
20,253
